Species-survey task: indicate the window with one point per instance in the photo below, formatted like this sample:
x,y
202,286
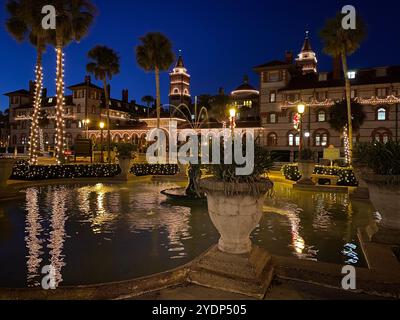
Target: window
x,y
78,109
94,109
248,103
381,92
353,94
176,91
382,135
272,140
381,114
272,118
273,76
294,139
272,96
321,138
321,116
351,74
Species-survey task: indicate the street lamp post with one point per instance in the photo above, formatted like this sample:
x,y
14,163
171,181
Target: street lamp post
x,y
232,119
86,122
102,125
301,109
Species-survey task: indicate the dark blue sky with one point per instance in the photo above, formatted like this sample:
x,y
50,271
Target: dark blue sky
x,y
221,40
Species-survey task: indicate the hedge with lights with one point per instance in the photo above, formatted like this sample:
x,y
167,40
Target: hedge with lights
x,y
346,175
141,170
23,171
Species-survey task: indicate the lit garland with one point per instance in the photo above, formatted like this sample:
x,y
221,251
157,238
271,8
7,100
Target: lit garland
x,y
346,145
345,174
140,170
33,140
391,99
60,125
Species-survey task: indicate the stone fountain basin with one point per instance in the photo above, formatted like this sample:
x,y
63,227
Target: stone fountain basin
x,y
180,194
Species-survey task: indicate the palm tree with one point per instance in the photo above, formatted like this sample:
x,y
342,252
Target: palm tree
x,y
338,116
24,23
339,42
105,63
155,54
74,18
148,100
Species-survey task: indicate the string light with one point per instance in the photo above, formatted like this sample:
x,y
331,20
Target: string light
x,y
33,140
345,174
60,124
141,170
346,145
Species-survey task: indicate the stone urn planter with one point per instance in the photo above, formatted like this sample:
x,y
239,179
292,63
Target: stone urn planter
x,y
6,167
235,211
125,165
384,193
306,169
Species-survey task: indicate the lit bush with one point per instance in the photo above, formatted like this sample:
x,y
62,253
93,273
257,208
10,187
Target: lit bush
x,y
346,175
23,171
140,170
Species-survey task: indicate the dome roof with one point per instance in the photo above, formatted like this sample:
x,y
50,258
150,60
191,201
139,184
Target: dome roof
x,y
245,88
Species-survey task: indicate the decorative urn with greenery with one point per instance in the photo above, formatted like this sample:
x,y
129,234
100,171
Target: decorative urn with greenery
x,y
378,164
125,156
235,203
306,166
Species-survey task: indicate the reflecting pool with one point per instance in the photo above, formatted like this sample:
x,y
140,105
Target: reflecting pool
x,y
93,233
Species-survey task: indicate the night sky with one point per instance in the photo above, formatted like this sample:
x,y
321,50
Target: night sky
x,y
221,41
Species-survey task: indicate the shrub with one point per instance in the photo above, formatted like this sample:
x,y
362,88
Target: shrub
x,y
382,158
346,175
140,170
23,171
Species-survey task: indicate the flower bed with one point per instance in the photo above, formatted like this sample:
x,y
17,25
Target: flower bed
x,y
140,170
346,175
23,171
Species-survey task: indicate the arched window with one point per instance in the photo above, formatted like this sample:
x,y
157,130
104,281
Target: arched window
x,y
382,135
176,91
381,114
294,139
272,139
321,138
185,92
321,116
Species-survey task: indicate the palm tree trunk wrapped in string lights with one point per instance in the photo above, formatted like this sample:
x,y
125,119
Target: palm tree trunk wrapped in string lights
x,y
60,124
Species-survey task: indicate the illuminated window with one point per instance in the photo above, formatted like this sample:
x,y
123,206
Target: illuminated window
x,y
294,139
272,118
353,94
321,116
321,139
351,74
272,96
381,114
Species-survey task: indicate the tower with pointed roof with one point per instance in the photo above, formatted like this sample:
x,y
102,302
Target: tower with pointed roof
x,y
179,92
307,59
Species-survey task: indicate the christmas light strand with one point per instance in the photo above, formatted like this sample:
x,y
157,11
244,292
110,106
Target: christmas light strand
x,y
33,140
346,144
60,124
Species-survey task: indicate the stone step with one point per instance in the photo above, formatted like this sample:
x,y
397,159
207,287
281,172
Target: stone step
x,y
236,285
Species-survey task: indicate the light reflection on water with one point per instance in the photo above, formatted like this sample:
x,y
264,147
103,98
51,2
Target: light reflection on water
x,y
111,232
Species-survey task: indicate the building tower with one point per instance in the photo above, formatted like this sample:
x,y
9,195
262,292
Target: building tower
x,y
307,59
179,92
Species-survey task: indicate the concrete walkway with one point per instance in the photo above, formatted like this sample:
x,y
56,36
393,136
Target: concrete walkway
x,y
280,290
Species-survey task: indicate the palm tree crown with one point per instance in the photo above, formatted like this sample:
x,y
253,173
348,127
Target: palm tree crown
x,y
105,63
336,40
155,52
